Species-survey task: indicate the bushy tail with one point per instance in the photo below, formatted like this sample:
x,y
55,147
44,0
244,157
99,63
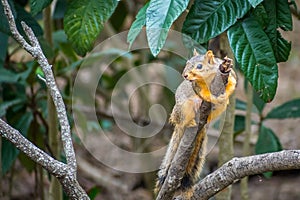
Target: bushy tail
x,y
165,165
196,161
194,166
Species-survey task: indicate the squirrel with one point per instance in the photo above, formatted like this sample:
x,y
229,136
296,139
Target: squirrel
x,y
199,73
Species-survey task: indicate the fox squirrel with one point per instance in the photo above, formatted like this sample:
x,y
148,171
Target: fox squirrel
x,y
199,73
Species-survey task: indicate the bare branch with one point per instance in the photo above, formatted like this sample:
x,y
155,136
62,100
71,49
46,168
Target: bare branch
x,y
238,168
18,140
66,173
35,50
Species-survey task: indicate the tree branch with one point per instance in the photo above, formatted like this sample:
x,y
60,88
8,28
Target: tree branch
x,y
66,173
35,50
53,166
238,168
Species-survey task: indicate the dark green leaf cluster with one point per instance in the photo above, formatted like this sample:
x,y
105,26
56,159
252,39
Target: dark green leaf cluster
x,y
252,26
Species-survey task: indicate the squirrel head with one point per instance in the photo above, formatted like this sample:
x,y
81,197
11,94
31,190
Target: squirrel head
x,y
202,67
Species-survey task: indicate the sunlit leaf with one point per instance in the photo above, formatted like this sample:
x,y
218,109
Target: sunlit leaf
x,y
160,15
137,25
84,20
254,3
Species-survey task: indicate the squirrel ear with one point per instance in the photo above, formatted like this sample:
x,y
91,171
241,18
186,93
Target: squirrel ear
x,y
195,53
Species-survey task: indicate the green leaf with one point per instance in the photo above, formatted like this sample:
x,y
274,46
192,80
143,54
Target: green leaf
x,y
160,15
84,20
254,53
93,192
279,16
9,155
10,152
209,18
23,15
7,76
118,18
239,124
255,3
258,102
281,47
267,141
7,104
137,25
60,9
290,109
37,6
3,50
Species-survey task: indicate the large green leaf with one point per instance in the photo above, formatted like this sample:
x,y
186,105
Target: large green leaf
x,y
254,53
9,152
37,6
209,18
279,16
137,25
84,20
290,109
160,15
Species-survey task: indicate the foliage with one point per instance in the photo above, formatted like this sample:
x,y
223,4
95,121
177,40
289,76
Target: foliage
x,y
252,32
84,20
267,139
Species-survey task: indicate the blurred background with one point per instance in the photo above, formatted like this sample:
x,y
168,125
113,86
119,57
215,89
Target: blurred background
x,y
24,104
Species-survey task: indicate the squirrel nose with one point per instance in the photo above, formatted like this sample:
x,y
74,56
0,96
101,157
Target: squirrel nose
x,y
185,76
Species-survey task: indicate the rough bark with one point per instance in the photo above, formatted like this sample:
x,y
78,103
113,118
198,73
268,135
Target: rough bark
x,y
237,168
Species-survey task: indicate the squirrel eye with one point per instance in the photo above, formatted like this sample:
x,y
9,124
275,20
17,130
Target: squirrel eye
x,y
199,66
